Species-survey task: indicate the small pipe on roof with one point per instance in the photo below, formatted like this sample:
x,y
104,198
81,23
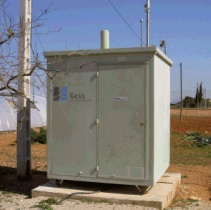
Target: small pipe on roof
x,y
104,39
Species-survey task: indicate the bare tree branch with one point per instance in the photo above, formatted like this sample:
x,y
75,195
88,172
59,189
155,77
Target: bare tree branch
x,y
10,32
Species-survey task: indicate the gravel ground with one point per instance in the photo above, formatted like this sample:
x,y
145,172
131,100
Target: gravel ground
x,y
13,201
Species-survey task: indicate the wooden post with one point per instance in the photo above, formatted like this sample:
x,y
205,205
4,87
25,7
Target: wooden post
x,y
23,110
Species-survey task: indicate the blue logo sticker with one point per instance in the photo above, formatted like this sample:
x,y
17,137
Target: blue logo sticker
x,y
60,94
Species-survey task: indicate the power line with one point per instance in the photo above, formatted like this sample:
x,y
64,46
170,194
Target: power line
x,y
124,19
131,24
188,82
185,77
129,17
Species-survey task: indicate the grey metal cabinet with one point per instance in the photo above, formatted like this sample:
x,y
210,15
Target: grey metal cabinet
x,y
109,121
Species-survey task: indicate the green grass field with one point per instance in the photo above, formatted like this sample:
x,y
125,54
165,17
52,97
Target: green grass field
x,y
188,155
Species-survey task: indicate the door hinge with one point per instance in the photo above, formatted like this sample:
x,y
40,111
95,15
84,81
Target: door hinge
x,y
97,121
97,168
98,73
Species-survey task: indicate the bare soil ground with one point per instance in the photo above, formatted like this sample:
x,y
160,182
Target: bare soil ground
x,y
192,112
196,180
191,124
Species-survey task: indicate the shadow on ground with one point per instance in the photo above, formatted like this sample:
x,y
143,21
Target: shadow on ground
x,y
9,182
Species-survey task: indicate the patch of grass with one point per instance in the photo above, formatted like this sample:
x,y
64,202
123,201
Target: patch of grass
x,y
102,202
191,156
188,155
50,201
85,201
192,201
98,202
182,203
133,203
185,176
46,204
193,134
176,138
43,206
175,132
5,192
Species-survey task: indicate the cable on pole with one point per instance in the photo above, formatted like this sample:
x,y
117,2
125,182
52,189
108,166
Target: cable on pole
x,y
123,19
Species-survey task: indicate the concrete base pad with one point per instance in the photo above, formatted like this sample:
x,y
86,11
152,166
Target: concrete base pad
x,y
159,196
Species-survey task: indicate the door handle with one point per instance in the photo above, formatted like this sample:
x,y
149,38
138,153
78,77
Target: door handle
x,y
142,124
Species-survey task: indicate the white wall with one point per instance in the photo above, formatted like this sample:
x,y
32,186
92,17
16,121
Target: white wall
x,y
161,117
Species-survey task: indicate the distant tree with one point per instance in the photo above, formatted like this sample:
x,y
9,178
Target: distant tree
x,y
189,102
200,93
197,94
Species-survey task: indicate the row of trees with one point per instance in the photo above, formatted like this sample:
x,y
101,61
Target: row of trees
x,y
191,102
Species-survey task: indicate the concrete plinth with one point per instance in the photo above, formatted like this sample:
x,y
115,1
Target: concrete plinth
x,y
159,196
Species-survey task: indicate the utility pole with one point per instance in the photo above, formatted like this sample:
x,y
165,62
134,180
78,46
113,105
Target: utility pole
x,y
205,98
202,97
141,21
23,113
181,105
197,99
147,9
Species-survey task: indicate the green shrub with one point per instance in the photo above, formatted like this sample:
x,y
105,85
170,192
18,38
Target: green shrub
x,y
34,135
39,137
194,134
42,130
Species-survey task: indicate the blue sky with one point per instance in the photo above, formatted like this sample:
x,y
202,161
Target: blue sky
x,y
185,25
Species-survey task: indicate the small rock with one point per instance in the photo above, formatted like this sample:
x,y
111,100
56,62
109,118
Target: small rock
x,y
195,198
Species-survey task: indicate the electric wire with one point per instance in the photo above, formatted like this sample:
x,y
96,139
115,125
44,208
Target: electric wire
x,y
68,196
188,82
124,19
131,24
186,78
129,17
152,18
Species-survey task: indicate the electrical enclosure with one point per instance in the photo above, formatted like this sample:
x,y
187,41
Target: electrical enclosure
x,y
108,115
